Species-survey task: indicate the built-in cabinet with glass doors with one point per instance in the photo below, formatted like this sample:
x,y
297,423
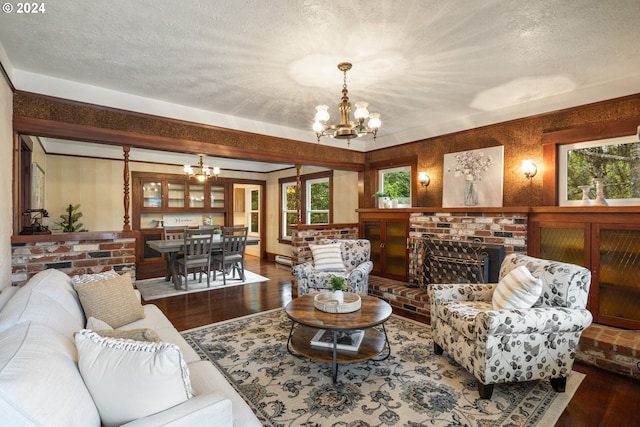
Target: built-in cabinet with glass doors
x,y
156,195
387,231
605,240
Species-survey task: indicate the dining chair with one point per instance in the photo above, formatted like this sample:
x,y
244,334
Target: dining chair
x,y
197,255
231,258
173,232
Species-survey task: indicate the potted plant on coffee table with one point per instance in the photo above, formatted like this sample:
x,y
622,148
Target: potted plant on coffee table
x,y
338,286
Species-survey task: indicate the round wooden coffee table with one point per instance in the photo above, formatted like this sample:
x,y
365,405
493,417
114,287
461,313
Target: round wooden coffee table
x,y
308,320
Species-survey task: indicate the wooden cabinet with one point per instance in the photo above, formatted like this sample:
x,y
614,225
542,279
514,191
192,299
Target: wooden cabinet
x,y
156,195
387,231
605,240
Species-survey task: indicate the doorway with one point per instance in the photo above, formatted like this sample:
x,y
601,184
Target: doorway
x,y
247,200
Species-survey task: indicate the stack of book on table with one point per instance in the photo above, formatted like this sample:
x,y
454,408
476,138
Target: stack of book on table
x,y
346,340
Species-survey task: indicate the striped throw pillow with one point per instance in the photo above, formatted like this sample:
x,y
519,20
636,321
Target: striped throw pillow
x,y
517,290
327,257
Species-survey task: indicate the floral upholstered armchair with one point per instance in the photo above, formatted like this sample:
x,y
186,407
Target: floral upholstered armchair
x,y
348,258
526,327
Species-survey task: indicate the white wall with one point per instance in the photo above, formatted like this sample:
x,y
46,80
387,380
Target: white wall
x,y
6,179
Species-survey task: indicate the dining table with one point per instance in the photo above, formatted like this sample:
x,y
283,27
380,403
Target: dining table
x,y
171,249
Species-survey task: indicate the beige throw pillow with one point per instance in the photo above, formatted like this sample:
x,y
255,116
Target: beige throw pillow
x,y
131,379
517,290
112,300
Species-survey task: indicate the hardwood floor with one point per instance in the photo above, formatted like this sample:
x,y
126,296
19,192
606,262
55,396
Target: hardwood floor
x,y
603,399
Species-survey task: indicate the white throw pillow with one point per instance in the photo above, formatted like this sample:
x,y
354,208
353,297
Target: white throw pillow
x,y
517,290
131,379
327,257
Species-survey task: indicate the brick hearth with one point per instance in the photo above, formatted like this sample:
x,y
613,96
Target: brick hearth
x,y
609,348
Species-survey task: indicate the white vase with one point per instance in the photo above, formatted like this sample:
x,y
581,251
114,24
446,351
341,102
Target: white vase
x,y
338,296
600,200
586,201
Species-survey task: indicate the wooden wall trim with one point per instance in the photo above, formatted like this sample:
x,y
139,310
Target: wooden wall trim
x,y
593,132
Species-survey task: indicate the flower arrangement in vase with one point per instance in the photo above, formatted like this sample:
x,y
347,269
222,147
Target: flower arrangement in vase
x,y
338,286
471,165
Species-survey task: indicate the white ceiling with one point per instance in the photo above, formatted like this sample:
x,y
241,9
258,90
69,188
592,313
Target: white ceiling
x,y
429,67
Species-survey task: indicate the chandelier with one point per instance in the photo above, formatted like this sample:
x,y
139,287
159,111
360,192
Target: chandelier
x,y
203,172
346,129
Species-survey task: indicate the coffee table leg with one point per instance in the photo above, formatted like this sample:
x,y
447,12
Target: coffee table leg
x,y
289,340
386,339
335,356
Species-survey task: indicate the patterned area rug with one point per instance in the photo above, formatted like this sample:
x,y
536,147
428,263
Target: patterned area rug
x,y
159,288
413,387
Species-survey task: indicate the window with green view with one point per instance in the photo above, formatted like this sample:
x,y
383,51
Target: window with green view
x,y
616,160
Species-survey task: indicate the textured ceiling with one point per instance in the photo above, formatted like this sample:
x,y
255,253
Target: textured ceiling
x,y
429,67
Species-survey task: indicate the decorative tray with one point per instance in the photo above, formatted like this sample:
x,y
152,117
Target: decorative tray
x,y
324,302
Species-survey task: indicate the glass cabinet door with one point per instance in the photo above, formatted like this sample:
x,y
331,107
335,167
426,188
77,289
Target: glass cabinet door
x,y
396,248
619,274
151,194
196,195
217,196
176,195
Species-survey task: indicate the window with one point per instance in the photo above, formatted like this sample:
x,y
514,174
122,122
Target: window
x,y
316,201
289,209
254,213
396,182
617,160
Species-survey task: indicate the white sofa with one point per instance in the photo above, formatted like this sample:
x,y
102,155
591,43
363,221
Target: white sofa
x,y
41,385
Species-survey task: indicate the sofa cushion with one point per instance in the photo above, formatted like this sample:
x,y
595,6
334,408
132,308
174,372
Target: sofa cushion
x,y
131,379
517,290
47,295
156,320
39,380
97,324
144,334
138,334
113,300
327,257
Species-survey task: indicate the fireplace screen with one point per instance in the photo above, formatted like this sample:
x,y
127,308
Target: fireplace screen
x,y
446,261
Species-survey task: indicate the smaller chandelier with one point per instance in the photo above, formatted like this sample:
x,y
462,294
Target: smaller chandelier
x,y
203,172
346,129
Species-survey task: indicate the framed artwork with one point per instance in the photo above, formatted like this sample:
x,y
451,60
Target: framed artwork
x,y
37,186
473,178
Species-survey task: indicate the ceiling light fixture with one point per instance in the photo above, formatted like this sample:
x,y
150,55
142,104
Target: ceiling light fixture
x,y
346,129
203,171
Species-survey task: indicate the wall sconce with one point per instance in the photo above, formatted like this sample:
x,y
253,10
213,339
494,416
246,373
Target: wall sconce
x,y
424,179
529,169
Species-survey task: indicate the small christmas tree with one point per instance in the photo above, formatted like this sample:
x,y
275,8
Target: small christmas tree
x,y
69,223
